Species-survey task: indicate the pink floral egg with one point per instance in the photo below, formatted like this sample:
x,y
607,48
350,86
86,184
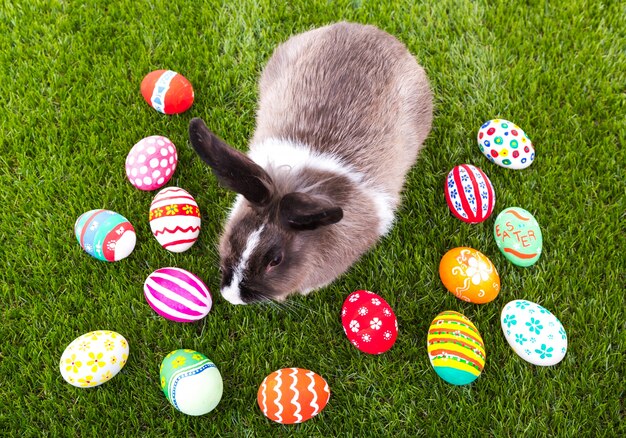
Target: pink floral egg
x,y
151,162
369,322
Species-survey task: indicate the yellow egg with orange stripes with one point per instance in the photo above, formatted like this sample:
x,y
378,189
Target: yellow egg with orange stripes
x,y
175,219
455,348
292,395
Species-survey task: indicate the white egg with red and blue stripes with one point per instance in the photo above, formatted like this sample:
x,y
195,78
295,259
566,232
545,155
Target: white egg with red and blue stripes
x,y
469,194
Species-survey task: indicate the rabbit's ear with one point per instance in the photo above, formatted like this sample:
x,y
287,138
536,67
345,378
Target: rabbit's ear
x,y
232,168
300,211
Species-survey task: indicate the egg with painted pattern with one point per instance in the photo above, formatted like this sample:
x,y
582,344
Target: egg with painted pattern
x,y
191,382
518,236
177,295
151,162
534,333
175,219
455,348
105,235
469,275
369,322
292,395
469,194
167,92
94,358
505,144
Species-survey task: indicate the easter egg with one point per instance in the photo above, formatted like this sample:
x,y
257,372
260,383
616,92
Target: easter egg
x,y
151,162
533,332
94,358
292,395
167,91
177,295
518,236
505,144
175,219
455,348
105,235
469,275
369,322
469,194
191,382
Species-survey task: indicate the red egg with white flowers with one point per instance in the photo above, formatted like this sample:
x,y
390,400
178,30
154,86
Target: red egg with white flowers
x,y
369,322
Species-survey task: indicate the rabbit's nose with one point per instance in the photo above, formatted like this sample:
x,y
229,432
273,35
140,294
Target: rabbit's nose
x,y
249,295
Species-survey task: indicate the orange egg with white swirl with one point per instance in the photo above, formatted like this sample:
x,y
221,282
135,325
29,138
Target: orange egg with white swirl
x,y
469,275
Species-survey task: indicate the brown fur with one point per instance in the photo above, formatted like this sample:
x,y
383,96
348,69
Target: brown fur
x,y
346,90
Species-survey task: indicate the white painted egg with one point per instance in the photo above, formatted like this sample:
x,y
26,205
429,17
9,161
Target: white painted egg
x,y
175,219
533,332
505,144
191,382
94,358
469,193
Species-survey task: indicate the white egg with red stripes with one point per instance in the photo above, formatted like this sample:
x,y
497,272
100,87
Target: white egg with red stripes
x,y
175,219
177,295
469,194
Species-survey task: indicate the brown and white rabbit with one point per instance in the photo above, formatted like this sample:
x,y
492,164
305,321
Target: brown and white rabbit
x,y
343,112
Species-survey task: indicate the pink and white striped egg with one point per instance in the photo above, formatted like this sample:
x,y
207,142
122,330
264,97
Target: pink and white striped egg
x,y
151,162
175,219
177,295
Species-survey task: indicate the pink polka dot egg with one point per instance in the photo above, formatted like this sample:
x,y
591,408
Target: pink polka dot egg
x,y
151,162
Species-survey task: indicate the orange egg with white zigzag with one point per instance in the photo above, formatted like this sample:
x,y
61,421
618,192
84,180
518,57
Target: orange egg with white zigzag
x,y
292,395
469,275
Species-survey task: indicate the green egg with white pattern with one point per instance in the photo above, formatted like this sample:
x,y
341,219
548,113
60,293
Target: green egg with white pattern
x,y
518,236
191,382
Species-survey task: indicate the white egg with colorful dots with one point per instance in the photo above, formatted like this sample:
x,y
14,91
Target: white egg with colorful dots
x,y
151,162
534,333
505,144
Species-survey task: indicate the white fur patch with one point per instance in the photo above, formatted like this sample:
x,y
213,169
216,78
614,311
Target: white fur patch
x,y
232,293
236,205
283,153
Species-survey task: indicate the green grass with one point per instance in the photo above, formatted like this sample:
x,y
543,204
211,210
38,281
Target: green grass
x,y
71,111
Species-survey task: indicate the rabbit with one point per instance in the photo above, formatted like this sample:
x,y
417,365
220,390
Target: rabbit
x,y
343,112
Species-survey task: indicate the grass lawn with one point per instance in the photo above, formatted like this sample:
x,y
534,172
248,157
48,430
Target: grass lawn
x,y
71,111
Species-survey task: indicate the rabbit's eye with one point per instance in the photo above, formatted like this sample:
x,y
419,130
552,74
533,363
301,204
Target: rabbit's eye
x,y
276,261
